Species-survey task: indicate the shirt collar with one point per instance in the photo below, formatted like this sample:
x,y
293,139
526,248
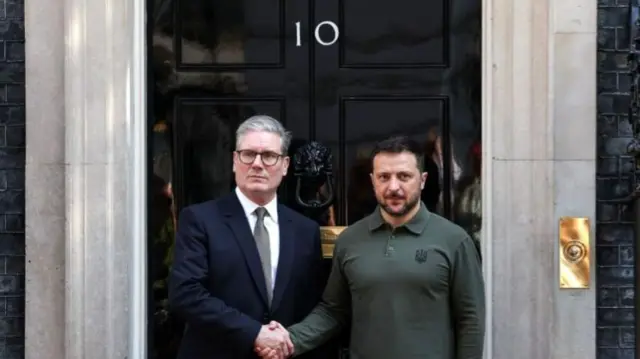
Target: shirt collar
x,y
249,206
415,225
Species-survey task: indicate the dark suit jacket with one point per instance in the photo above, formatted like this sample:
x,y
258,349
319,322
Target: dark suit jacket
x,y
216,281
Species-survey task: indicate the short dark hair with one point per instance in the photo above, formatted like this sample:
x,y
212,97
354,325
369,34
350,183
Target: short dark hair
x,y
399,144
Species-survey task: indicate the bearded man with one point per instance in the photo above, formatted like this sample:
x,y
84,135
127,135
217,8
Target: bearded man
x,y
408,281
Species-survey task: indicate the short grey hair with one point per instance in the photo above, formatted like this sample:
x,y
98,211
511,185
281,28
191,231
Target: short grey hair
x,y
264,123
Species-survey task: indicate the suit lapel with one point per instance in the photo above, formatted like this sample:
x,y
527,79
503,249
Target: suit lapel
x,y
237,221
285,261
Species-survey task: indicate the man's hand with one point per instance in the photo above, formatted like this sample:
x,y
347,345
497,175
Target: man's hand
x,y
277,344
273,342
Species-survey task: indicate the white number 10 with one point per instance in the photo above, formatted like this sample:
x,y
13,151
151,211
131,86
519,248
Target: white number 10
x,y
331,24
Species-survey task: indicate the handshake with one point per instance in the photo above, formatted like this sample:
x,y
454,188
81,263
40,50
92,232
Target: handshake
x,y
273,342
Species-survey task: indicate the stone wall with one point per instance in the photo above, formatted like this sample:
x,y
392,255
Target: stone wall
x,y
12,184
615,178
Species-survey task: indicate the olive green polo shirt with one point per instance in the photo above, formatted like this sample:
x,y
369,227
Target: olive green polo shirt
x,y
415,291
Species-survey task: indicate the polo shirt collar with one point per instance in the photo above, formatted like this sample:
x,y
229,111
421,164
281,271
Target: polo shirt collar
x,y
415,225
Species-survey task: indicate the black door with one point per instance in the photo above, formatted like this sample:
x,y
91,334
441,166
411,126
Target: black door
x,y
345,73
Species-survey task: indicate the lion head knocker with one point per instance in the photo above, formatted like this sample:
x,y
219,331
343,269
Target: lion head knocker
x,y
312,169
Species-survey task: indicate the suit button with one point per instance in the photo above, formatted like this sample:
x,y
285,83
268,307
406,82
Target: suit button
x,y
265,318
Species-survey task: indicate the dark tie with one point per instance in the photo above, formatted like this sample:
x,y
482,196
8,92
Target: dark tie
x,y
264,249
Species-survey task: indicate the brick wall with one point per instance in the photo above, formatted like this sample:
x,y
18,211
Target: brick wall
x,y
12,163
615,178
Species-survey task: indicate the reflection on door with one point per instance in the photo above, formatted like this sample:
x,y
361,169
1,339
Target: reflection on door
x,y
343,73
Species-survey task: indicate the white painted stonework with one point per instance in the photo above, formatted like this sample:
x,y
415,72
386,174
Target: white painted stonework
x,y
540,131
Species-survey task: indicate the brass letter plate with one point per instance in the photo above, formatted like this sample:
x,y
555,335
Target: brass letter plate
x,y
328,236
574,236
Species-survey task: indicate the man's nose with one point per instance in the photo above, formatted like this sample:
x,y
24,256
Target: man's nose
x,y
257,162
394,184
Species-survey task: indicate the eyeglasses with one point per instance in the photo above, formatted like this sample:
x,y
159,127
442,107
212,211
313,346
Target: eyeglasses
x,y
268,158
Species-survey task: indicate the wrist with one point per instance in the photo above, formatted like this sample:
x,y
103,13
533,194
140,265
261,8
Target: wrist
x,y
251,334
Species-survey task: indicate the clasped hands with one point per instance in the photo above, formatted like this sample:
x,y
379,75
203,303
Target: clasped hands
x,y
273,342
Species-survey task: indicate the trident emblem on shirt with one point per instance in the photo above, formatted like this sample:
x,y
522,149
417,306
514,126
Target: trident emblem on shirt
x,y
421,256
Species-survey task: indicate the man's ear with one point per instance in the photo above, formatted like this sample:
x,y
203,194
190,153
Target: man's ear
x,y
423,179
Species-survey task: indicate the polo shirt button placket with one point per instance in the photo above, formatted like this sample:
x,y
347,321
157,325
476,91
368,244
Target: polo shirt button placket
x,y
390,249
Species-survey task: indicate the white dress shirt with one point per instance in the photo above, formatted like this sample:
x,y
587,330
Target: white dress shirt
x,y
270,221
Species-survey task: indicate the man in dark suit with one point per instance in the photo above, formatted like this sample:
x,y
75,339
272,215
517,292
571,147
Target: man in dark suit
x,y
244,260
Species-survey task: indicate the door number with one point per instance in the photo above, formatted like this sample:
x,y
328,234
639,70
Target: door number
x,y
331,24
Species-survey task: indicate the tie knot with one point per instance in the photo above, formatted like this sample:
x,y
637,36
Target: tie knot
x,y
260,212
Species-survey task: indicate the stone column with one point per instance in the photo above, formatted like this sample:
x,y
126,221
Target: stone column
x,y
539,123
573,91
44,180
86,179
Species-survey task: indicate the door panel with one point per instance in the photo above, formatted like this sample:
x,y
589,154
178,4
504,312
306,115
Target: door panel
x,y
230,34
407,34
406,67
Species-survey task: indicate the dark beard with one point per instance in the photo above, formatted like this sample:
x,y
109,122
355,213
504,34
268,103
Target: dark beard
x,y
412,202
